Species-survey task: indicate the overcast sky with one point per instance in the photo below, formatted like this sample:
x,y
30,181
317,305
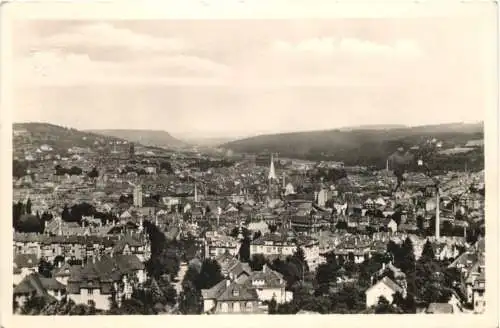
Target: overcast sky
x,y
218,78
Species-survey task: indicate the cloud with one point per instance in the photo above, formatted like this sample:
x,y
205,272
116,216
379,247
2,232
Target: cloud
x,y
102,53
105,35
348,46
58,68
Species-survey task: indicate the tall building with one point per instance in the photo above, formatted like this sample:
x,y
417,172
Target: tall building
x,y
138,196
131,150
272,172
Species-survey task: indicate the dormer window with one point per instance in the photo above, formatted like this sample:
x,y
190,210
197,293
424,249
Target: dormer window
x,y
236,292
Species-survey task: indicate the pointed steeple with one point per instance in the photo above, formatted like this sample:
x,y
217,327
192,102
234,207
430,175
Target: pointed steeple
x,y
272,173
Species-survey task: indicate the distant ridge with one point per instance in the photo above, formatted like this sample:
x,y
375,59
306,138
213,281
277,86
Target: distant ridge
x,y
364,145
152,138
36,134
374,127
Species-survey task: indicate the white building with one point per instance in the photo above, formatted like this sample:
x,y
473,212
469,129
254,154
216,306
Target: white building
x,y
384,287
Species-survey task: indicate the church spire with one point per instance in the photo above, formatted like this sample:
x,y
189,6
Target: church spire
x,y
272,173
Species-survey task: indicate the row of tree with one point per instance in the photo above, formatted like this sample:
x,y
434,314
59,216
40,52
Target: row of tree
x,y
23,219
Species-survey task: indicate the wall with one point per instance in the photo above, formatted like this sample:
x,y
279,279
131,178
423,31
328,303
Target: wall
x,y
373,294
101,300
280,294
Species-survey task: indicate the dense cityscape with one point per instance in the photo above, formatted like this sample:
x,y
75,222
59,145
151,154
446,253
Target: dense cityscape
x,y
108,226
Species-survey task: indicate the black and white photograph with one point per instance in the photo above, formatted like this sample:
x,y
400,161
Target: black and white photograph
x,y
265,166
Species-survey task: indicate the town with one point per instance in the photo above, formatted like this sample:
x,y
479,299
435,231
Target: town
x,y
103,225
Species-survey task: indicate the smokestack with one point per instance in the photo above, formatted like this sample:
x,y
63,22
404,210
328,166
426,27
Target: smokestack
x,y
437,232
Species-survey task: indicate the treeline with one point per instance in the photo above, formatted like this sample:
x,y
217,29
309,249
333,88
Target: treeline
x,y
206,164
19,169
23,219
369,148
74,170
76,212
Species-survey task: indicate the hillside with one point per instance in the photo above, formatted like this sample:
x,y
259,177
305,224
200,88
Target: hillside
x,y
359,146
154,138
30,136
374,127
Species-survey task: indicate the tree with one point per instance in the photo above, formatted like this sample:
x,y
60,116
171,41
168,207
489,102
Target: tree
x,y
164,258
326,274
420,223
19,169
244,252
341,225
210,274
383,306
29,224
190,298
272,306
257,262
300,256
93,173
66,215
28,206
45,268
33,305
170,295
397,217
407,260
428,252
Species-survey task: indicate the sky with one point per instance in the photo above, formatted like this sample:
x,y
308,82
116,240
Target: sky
x,y
235,78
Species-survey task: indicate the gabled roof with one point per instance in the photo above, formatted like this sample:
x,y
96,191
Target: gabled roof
x,y
271,278
63,271
389,283
36,283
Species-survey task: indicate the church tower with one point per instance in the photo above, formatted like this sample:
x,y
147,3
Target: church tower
x,y
271,178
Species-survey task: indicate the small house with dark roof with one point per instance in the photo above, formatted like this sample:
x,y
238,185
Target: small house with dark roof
x,y
228,297
24,265
269,285
101,279
36,285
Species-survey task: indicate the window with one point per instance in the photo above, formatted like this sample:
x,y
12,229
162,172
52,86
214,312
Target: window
x,y
90,291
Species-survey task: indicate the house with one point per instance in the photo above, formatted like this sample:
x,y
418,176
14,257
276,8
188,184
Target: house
x,y
396,274
131,245
385,287
25,243
228,297
24,265
101,279
39,286
232,268
269,284
218,244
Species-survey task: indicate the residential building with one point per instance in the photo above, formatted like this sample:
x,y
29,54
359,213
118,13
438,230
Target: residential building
x,y
39,286
229,297
384,287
